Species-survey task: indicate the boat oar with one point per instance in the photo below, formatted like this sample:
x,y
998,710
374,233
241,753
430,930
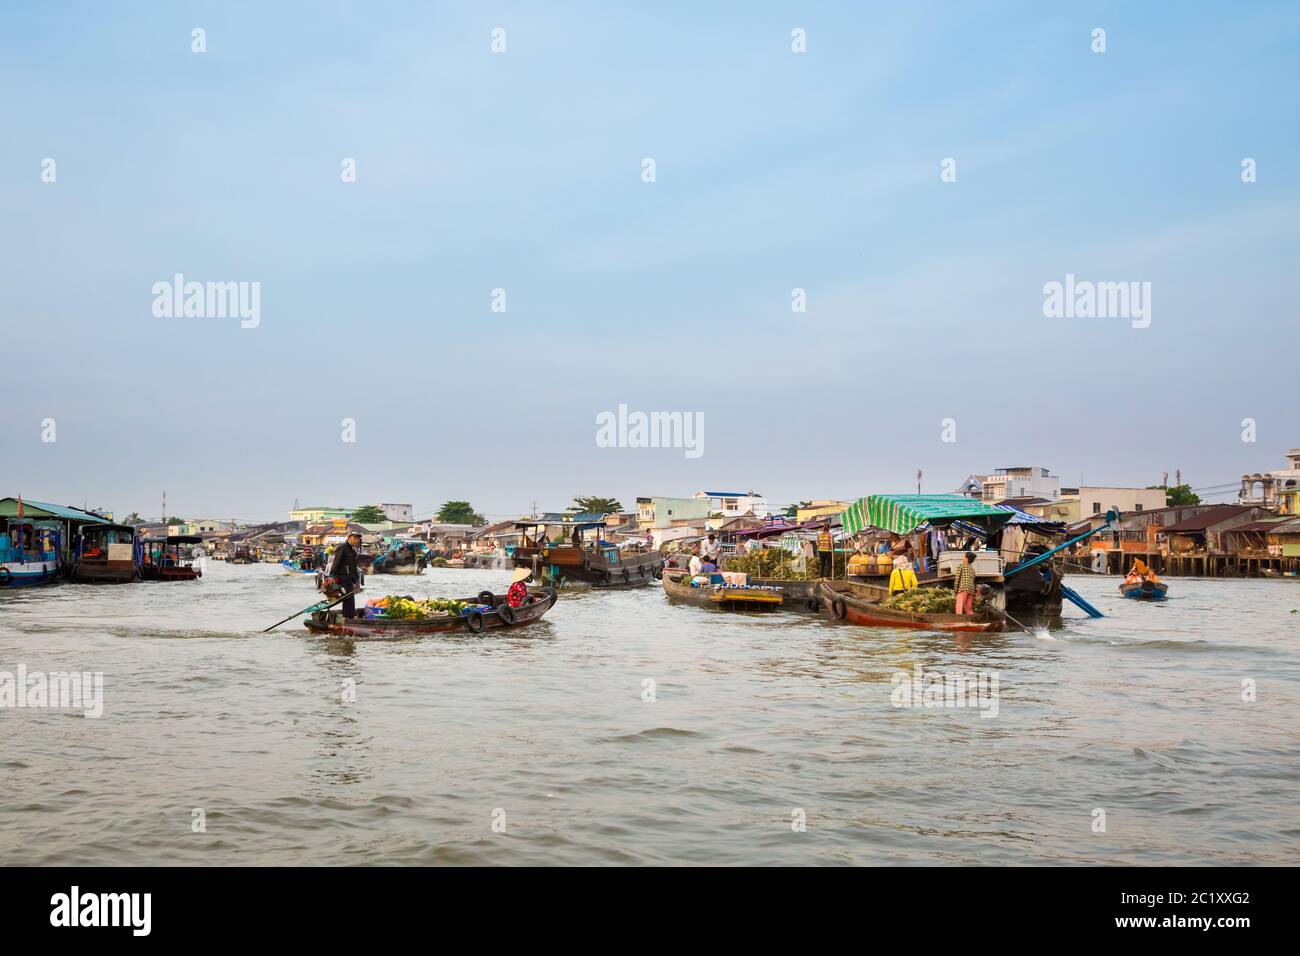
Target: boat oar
x,y
319,606
1019,624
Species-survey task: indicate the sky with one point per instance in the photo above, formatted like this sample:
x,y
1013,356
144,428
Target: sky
x,y
524,170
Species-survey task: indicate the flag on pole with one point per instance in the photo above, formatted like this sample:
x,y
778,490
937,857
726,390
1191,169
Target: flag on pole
x,y
20,506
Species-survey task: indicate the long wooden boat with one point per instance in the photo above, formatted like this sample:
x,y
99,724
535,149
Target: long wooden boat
x,y
677,587
850,603
379,629
598,567
1144,590
108,554
291,566
575,558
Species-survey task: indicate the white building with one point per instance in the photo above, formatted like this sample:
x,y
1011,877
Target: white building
x,y
733,504
1018,482
1269,487
397,512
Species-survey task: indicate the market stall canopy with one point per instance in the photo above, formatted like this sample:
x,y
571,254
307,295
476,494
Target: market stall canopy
x,y
902,514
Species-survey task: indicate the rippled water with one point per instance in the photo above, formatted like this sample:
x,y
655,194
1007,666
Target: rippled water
x,y
754,720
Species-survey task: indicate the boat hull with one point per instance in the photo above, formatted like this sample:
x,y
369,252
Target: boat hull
x,y
28,574
333,623
841,603
678,589
170,574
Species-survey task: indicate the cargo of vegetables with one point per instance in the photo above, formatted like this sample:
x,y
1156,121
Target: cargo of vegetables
x,y
924,601
401,608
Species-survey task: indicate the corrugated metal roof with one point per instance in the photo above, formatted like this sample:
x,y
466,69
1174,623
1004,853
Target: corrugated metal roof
x,y
53,511
1208,519
1287,524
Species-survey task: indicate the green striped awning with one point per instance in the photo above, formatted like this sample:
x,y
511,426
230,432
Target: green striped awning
x,y
902,513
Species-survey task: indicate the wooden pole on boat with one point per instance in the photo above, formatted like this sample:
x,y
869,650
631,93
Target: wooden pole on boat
x,y
319,606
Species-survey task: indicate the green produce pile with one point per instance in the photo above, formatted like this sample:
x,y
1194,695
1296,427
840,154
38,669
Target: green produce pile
x,y
403,609
924,601
779,564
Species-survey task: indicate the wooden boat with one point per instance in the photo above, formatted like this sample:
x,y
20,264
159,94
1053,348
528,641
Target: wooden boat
x,y
500,615
1145,590
404,557
677,586
573,559
243,554
108,554
851,603
163,561
304,561
29,552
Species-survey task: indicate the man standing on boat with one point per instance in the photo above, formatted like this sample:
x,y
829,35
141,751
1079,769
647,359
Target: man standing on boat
x,y
344,571
963,582
826,550
710,548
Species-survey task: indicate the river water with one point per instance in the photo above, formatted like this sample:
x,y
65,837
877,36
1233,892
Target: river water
x,y
767,739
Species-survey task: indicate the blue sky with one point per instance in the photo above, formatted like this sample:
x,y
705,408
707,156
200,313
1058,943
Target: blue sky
x,y
521,170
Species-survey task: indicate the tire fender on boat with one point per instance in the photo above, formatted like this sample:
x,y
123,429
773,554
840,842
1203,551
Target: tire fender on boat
x,y
506,613
838,609
486,597
474,621
5,575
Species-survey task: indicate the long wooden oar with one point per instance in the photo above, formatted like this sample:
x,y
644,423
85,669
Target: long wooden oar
x,y
319,606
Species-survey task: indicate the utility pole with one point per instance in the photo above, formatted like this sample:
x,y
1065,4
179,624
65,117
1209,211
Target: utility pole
x,y
163,519
918,481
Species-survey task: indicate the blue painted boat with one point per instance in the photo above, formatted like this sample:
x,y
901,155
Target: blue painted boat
x,y
1144,590
29,552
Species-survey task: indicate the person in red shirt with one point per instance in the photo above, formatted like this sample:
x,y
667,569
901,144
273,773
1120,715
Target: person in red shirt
x,y
518,592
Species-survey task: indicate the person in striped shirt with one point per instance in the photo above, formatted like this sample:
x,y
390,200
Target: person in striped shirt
x,y
963,582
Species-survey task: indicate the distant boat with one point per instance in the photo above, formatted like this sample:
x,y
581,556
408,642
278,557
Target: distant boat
x,y
404,557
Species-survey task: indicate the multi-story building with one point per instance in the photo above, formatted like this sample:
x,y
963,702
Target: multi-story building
x,y
397,512
1278,489
1021,481
822,508
319,515
1075,504
733,504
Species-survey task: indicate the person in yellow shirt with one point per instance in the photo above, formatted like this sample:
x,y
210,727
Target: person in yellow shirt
x,y
903,578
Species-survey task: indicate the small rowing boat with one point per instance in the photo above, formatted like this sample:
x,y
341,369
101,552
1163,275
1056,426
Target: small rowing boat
x,y
487,611
1143,584
1147,590
726,597
851,603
